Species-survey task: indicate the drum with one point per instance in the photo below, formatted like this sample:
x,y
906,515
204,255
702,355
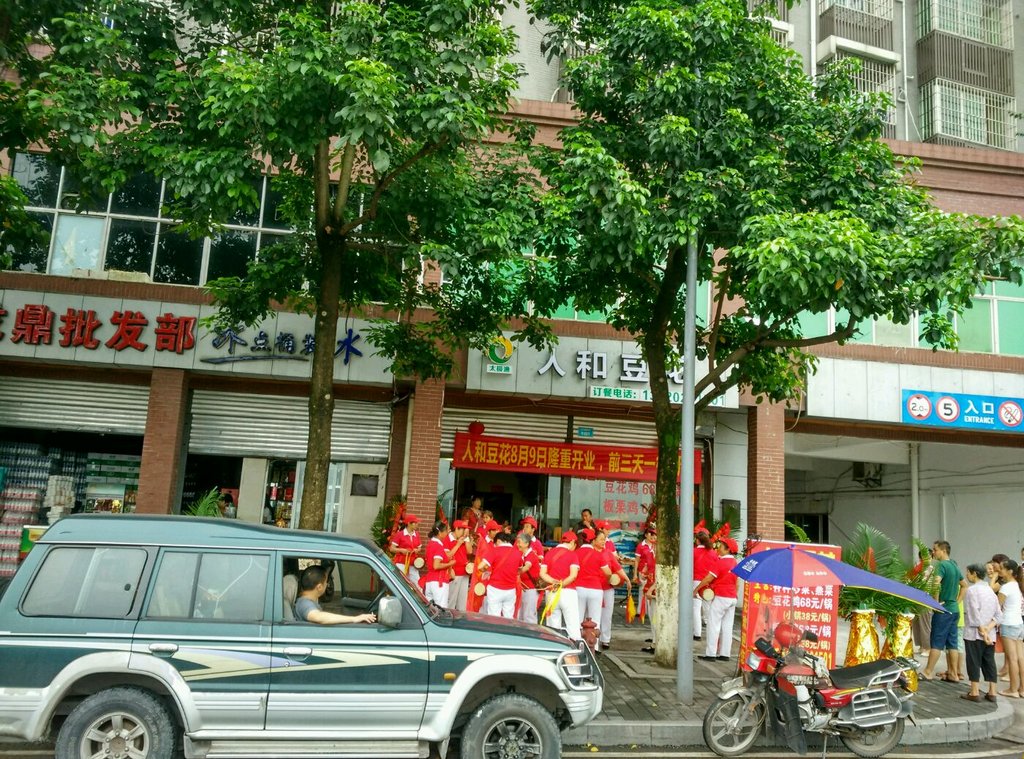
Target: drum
x,y
469,568
707,594
419,562
614,580
479,589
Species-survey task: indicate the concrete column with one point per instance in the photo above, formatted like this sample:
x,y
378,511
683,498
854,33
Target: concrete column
x,y
425,450
165,444
766,471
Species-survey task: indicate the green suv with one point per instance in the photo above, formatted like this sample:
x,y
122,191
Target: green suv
x,y
145,636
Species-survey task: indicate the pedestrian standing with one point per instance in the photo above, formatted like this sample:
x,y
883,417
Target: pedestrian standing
x,y
438,565
1011,630
558,569
405,545
458,548
608,589
704,556
593,571
502,565
952,587
529,574
646,566
981,617
722,614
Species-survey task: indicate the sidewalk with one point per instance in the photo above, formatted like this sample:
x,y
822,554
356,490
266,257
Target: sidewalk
x,y
640,705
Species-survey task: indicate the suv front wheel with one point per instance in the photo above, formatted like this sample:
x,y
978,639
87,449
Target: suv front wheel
x,y
119,723
511,726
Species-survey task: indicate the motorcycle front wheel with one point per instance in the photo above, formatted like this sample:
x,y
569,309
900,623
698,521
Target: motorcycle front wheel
x,y
723,732
874,741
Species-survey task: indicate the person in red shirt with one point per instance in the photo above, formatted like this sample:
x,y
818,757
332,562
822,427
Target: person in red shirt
x,y
643,576
607,589
405,546
704,556
559,568
438,564
593,572
722,613
528,524
458,551
502,566
529,575
482,546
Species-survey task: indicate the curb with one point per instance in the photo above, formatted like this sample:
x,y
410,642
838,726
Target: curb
x,y
690,733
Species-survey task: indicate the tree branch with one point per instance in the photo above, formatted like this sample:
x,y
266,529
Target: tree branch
x,y
843,333
388,179
704,401
344,182
717,322
321,184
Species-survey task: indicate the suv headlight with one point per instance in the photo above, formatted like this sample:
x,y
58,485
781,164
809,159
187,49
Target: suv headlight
x,y
579,669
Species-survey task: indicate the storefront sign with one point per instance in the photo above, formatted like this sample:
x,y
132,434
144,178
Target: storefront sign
x,y
815,609
95,330
586,461
963,411
607,370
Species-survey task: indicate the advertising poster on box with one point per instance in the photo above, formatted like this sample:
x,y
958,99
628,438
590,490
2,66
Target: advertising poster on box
x,y
815,609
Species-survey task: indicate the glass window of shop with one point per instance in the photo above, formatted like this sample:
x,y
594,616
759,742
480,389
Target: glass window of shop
x,y
130,230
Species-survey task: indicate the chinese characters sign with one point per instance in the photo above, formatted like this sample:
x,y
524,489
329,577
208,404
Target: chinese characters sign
x,y
600,369
815,609
595,462
976,412
98,330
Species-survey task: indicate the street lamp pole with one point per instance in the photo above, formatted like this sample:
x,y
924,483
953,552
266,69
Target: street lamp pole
x,y
684,648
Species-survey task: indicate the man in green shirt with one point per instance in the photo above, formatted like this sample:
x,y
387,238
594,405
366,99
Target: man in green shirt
x,y
944,626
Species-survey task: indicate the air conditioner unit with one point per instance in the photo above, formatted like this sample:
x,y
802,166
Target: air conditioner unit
x,y
868,473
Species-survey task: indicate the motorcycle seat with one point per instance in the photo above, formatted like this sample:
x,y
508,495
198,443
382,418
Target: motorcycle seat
x,y
862,674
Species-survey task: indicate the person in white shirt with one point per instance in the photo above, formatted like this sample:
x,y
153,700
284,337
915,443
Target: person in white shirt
x,y
1012,628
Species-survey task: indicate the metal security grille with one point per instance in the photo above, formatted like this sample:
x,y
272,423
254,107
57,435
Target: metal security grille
x,y
777,9
73,406
988,21
503,423
866,21
246,424
874,76
953,113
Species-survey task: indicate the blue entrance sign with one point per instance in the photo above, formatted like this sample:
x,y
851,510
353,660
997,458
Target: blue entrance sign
x,y
974,412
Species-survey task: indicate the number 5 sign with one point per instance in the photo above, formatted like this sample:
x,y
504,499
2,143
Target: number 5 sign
x,y
962,410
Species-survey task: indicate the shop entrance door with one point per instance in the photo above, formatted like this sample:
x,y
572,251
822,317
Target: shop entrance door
x,y
357,493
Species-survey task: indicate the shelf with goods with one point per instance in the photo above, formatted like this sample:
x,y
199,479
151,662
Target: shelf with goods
x,y
26,471
111,482
281,491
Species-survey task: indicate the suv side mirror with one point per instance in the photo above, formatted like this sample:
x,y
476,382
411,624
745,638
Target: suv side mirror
x,y
389,612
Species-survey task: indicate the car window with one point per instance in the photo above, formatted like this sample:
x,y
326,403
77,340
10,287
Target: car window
x,y
210,585
353,587
97,582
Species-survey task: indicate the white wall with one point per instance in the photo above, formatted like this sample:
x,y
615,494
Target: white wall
x,y
977,488
541,78
730,464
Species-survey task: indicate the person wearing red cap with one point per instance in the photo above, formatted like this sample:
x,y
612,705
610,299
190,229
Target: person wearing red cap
x,y
458,551
559,568
593,572
528,524
502,566
438,564
722,613
646,566
703,557
608,590
404,546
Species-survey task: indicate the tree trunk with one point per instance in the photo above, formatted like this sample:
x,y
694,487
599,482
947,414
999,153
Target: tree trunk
x,y
667,424
321,385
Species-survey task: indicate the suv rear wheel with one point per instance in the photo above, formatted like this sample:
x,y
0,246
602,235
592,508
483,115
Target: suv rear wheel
x,y
511,726
119,723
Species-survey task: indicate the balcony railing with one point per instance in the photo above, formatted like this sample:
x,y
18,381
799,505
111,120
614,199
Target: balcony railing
x,y
943,55
874,76
987,21
868,22
955,114
776,9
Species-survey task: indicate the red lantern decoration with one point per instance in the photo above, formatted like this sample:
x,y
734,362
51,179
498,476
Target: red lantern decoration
x,y
476,428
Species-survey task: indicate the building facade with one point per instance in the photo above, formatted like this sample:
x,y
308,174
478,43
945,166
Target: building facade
x,y
110,379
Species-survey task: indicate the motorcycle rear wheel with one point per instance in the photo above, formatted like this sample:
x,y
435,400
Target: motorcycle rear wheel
x,y
874,741
720,732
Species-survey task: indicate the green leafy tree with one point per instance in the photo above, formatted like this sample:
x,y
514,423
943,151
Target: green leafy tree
x,y
696,127
371,117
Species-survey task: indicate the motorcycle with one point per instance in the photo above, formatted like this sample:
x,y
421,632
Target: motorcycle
x,y
864,706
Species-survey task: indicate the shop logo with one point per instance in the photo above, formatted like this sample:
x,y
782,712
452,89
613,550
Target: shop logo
x,y
500,353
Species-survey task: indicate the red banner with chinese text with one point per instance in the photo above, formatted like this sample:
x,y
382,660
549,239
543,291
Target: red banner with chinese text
x,y
816,609
586,461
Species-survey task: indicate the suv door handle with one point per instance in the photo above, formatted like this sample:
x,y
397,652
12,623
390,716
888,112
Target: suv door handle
x,y
163,648
297,652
